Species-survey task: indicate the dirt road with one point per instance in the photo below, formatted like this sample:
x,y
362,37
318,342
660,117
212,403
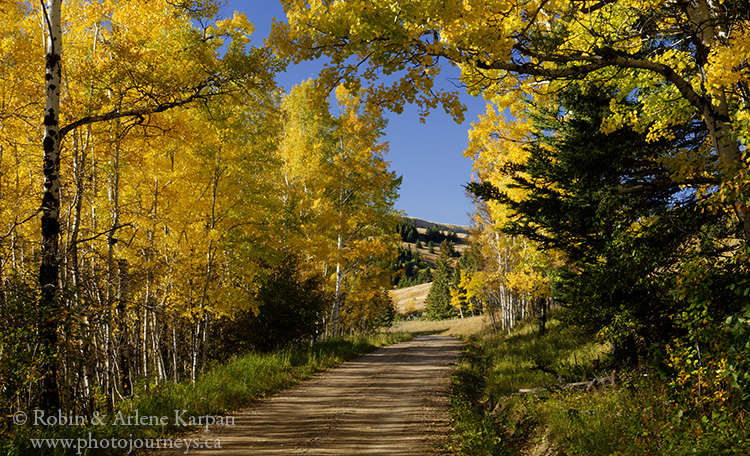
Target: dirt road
x,y
390,402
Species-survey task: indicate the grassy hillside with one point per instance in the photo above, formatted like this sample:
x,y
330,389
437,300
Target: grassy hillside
x,y
424,224
459,327
411,299
463,234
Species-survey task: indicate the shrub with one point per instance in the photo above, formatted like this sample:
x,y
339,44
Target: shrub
x,y
290,307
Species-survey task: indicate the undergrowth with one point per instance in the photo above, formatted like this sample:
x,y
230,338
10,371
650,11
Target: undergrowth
x,y
224,388
473,427
637,415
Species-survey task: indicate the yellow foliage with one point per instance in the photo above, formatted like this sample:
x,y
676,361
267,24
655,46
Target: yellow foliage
x,y
511,51
702,375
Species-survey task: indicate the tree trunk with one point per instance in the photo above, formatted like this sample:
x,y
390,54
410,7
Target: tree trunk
x,y
49,266
194,335
175,366
125,343
541,308
337,297
715,112
144,347
118,268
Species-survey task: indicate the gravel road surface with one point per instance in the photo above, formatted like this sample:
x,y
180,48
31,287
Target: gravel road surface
x,y
389,402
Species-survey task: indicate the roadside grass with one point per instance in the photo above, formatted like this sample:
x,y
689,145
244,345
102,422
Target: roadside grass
x,y
226,387
473,429
491,417
635,416
530,361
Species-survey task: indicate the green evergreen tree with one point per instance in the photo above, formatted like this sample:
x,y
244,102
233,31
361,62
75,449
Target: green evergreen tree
x,y
434,234
431,247
408,231
451,248
410,268
418,244
628,230
291,305
439,298
469,259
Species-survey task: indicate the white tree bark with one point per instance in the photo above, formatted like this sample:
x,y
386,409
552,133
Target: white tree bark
x,y
337,297
49,266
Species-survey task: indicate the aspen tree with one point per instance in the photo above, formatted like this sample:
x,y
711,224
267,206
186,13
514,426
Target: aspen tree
x,y
362,192
49,266
130,86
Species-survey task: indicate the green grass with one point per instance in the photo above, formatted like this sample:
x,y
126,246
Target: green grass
x,y
224,388
531,361
473,428
636,416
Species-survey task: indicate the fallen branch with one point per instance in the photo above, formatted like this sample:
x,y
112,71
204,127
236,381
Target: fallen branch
x,y
588,385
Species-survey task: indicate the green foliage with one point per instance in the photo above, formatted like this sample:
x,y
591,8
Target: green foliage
x,y
625,226
638,415
473,427
451,248
439,297
290,307
410,269
21,361
408,231
469,259
19,369
384,313
434,234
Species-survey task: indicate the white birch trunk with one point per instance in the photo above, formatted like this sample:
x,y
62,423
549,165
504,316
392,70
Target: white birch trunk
x,y
49,267
715,110
144,348
337,300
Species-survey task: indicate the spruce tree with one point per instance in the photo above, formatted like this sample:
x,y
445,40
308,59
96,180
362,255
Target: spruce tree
x,y
439,298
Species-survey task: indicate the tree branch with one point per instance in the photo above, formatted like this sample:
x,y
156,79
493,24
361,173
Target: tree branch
x,y
137,112
599,62
16,223
114,228
589,8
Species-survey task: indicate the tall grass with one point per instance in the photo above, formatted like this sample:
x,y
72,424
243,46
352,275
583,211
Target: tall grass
x,y
473,428
224,388
635,416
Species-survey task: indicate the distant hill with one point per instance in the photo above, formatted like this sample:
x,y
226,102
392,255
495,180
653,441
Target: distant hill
x,y
462,233
424,224
412,299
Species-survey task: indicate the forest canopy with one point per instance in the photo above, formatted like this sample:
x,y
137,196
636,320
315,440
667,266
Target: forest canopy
x,y
183,197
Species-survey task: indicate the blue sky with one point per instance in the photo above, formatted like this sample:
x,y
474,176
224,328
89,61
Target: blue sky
x,y
429,156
